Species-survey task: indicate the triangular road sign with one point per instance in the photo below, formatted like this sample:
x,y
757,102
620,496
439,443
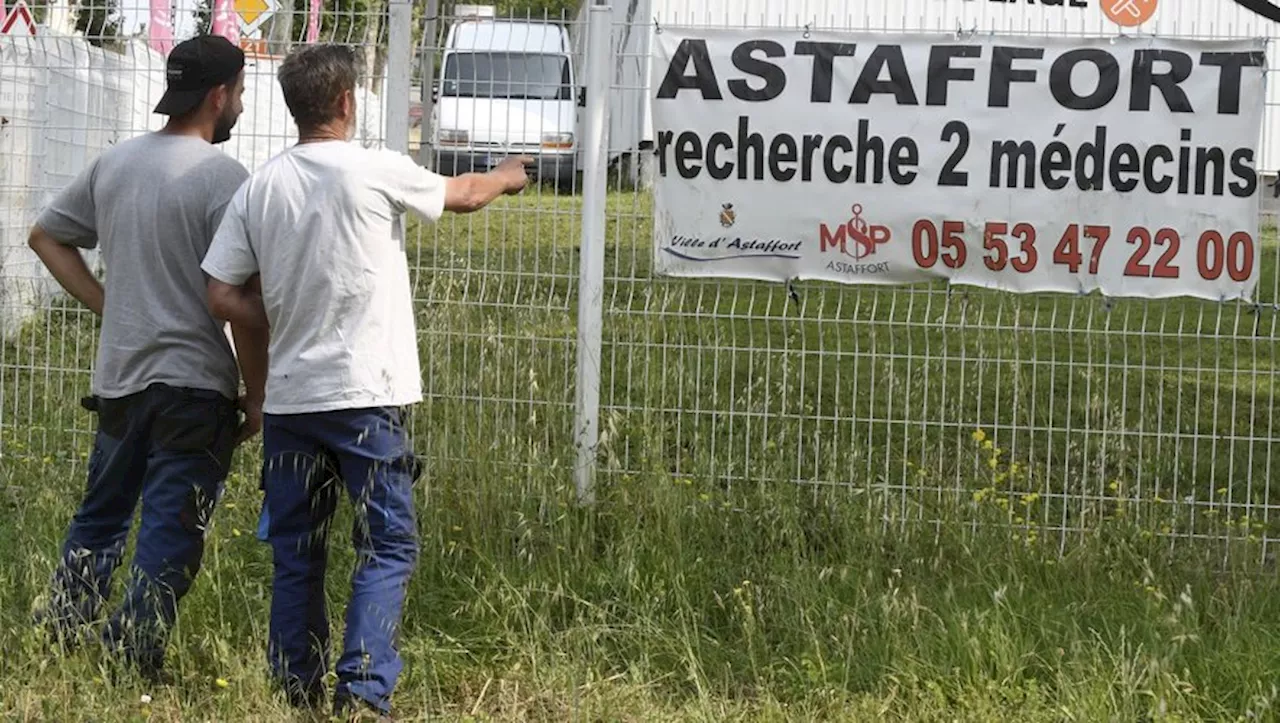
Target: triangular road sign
x,y
18,21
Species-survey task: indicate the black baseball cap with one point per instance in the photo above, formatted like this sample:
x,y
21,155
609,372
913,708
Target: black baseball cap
x,y
195,67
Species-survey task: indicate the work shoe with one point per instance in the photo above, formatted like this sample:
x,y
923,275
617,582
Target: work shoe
x,y
352,709
63,633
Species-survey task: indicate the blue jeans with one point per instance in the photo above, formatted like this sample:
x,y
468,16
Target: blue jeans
x,y
308,458
172,448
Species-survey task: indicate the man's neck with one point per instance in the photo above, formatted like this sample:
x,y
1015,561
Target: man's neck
x,y
322,134
194,130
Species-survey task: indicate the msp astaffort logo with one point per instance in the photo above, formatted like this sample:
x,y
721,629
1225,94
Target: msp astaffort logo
x,y
857,239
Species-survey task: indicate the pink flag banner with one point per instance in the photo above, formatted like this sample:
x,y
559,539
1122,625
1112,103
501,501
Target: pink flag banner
x,y
226,22
160,28
313,21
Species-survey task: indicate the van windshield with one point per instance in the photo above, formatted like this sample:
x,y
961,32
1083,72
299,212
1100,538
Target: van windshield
x,y
506,75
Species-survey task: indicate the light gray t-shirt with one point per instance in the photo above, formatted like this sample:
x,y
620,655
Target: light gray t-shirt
x,y
152,204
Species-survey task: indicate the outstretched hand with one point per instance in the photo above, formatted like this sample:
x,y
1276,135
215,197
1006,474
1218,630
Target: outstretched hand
x,y
513,172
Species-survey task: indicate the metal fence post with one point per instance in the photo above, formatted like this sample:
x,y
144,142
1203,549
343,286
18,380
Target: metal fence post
x,y
591,262
428,78
399,73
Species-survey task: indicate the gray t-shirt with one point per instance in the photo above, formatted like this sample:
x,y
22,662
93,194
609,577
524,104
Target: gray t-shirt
x,y
152,204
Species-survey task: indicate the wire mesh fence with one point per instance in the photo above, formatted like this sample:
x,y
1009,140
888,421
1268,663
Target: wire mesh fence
x,y
1051,414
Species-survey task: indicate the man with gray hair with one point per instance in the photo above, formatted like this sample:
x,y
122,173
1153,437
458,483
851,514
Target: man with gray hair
x,y
323,224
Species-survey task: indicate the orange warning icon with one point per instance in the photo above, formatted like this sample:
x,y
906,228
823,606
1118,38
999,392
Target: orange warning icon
x,y
1129,13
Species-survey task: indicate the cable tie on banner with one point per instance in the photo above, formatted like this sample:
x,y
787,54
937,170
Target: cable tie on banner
x,y
792,292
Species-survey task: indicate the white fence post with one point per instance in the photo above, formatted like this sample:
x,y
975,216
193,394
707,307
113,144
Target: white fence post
x,y
399,73
591,262
428,63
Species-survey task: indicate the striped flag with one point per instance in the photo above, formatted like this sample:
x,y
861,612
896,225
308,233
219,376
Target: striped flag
x,y
160,27
313,21
225,21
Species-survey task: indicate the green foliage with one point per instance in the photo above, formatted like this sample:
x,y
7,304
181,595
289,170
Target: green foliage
x,y
204,17
537,8
99,21
353,22
39,10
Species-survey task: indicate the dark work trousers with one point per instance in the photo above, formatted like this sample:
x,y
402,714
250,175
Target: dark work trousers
x,y
308,460
170,447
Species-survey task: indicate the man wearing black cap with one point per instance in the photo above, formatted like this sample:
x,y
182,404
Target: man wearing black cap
x,y
166,381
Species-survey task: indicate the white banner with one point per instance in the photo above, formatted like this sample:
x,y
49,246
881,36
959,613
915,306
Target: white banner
x,y
1121,165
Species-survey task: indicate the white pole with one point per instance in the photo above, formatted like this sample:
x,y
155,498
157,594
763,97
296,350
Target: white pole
x,y
425,158
399,73
591,272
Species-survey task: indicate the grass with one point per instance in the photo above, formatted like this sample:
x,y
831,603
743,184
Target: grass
x,y
829,503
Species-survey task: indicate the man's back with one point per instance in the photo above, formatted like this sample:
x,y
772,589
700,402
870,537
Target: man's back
x,y
152,204
322,223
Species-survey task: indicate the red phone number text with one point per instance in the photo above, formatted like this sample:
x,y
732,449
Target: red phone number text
x,y
1014,246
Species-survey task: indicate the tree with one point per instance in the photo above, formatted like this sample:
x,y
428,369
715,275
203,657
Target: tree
x,y
278,30
39,10
553,9
99,22
360,23
204,17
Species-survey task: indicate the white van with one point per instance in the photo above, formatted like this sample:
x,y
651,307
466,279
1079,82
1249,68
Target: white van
x,y
506,87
